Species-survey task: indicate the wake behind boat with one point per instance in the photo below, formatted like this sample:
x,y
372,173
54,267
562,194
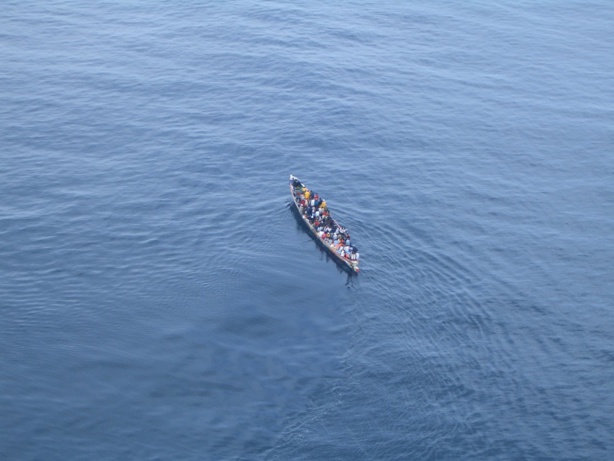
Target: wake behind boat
x,y
315,214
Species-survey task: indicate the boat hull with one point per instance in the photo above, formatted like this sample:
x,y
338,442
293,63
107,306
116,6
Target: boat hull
x,y
348,265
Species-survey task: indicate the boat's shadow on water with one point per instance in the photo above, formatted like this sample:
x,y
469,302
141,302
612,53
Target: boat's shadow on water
x,y
301,226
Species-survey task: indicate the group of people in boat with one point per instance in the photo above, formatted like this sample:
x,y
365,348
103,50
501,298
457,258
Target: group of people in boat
x,y
314,208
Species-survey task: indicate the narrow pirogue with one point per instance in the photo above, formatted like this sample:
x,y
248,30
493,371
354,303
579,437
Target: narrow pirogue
x,y
314,213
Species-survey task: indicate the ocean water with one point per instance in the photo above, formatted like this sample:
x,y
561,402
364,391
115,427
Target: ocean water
x,y
159,300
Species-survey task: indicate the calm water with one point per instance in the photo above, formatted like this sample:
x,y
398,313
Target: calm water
x,y
159,300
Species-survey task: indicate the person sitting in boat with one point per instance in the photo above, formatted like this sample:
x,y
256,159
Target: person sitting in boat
x,y
307,194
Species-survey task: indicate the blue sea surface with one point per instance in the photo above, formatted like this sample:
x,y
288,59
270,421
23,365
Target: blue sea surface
x,y
159,300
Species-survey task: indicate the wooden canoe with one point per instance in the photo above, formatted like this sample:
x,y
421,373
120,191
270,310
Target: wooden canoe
x,y
346,263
